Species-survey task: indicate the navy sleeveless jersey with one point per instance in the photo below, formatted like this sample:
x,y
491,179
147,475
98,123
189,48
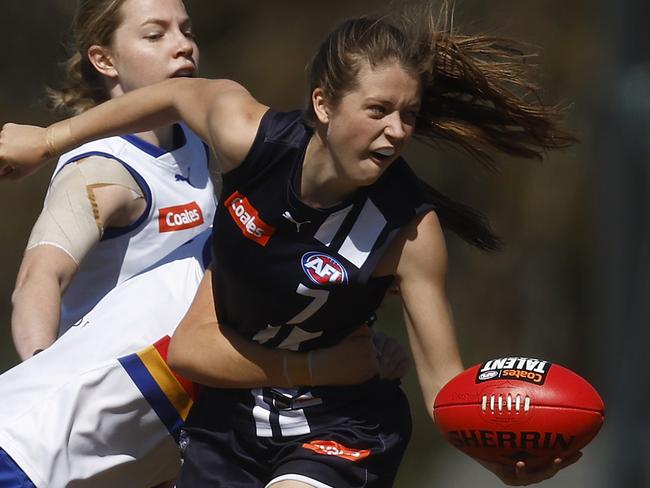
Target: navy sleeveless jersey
x,y
291,276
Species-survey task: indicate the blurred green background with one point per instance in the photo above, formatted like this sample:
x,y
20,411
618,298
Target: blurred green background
x,y
572,282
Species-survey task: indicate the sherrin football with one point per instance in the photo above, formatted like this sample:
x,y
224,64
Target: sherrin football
x,y
516,408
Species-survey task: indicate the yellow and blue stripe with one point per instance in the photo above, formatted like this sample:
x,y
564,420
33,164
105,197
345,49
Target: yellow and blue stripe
x,y
170,395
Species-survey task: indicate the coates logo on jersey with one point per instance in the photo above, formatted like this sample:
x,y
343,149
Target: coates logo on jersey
x,y
323,269
180,217
332,448
248,219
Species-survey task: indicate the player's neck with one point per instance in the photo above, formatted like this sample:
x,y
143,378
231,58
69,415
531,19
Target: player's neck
x,y
162,137
320,185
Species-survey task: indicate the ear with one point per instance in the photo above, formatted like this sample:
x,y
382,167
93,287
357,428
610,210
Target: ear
x,y
101,58
321,105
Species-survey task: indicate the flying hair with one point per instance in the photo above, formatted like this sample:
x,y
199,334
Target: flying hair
x,y
477,95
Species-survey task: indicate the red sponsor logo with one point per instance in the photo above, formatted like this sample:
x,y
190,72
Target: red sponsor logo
x,y
248,219
180,217
332,448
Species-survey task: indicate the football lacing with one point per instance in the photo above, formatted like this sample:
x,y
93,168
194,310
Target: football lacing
x,y
499,402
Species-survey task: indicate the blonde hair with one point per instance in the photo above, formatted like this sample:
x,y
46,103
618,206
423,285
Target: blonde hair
x,y
95,22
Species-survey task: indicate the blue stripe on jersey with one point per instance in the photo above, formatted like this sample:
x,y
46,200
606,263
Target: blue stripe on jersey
x,y
147,147
11,476
156,151
113,232
152,392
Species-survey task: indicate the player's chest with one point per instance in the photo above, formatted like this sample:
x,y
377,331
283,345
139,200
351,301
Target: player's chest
x,y
262,236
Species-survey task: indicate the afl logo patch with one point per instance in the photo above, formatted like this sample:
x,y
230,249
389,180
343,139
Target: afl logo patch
x,y
323,269
488,375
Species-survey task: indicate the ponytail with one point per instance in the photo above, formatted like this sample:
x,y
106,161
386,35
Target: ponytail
x,y
478,99
82,88
464,221
95,22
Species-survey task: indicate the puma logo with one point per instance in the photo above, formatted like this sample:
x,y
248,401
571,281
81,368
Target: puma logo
x,y
290,218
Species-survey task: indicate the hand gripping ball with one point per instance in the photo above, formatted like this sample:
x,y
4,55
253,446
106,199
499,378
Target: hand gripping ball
x,y
516,408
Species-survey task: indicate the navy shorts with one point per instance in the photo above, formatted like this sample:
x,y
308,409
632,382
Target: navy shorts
x,y
11,476
362,447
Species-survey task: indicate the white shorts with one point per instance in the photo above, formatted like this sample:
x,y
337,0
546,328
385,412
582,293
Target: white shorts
x,y
75,415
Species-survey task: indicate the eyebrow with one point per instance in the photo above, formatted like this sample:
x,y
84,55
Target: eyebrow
x,y
153,20
410,105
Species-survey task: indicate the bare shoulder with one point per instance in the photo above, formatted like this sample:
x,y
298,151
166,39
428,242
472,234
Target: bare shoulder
x,y
418,248
233,120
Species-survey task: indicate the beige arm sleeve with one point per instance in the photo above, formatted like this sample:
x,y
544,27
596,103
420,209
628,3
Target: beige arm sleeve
x,y
70,219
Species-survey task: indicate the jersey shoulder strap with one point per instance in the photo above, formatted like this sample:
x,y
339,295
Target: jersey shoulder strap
x,y
280,134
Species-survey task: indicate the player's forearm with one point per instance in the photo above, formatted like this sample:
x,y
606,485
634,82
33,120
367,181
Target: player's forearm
x,y
24,149
216,356
35,317
44,274
435,350
141,110
137,111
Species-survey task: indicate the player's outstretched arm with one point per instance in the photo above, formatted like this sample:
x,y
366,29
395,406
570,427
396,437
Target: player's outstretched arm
x,y
85,198
221,112
43,275
421,271
420,266
210,353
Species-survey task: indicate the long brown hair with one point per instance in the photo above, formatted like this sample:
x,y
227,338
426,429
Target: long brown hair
x,y
476,94
95,22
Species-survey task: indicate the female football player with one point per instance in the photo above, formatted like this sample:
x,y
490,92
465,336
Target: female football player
x,y
115,206
117,215
320,216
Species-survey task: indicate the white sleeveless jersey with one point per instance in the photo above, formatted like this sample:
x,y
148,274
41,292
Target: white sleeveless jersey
x,y
76,415
180,205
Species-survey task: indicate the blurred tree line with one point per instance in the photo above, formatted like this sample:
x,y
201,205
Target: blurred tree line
x,y
551,292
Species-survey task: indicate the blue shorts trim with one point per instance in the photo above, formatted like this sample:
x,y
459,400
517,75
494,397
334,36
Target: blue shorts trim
x,y
11,476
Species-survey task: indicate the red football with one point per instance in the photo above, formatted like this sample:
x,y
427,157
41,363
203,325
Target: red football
x,y
511,409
